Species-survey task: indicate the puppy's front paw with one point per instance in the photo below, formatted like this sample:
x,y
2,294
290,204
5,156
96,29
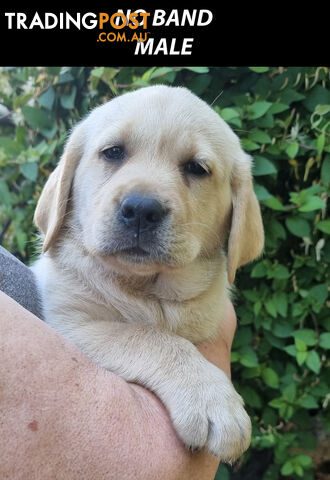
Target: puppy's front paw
x,y
208,413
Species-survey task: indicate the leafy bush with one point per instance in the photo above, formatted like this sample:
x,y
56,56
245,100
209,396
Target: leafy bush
x,y
282,117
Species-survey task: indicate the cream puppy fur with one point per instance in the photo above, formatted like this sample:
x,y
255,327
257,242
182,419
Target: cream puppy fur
x,y
146,218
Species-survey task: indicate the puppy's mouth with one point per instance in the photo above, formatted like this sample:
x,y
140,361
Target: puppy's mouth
x,y
135,252
146,254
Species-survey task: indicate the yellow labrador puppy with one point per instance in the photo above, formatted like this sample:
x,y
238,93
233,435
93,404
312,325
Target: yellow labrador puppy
x,y
146,218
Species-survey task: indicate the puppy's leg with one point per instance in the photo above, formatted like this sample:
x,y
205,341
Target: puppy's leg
x,y
205,408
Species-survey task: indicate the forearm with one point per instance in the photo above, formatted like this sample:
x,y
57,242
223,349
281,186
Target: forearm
x,y
63,417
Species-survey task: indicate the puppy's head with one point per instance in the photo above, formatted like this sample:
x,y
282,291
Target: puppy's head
x,y
155,180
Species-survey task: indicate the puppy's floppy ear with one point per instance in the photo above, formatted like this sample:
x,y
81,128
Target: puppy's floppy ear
x,y
52,204
246,238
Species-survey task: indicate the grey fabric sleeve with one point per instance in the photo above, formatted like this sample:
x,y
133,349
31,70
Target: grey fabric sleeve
x,y
18,282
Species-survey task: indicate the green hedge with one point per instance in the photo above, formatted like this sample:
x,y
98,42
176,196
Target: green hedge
x,y
282,117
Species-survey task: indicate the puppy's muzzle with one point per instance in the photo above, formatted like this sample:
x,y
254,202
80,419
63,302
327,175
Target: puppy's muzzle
x,y
141,214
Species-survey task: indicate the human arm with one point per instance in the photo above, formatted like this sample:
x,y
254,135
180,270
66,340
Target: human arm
x,y
64,417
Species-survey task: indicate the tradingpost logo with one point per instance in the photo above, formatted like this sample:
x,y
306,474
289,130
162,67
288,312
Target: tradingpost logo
x,y
132,27
120,21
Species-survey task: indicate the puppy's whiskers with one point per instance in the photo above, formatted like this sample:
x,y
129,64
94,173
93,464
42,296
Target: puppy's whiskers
x,y
216,98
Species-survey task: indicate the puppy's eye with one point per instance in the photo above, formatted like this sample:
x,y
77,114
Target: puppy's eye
x,y
194,168
114,153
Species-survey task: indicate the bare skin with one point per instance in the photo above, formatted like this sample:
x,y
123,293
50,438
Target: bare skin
x,y
62,417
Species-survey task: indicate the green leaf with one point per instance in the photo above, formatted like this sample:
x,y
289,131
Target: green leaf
x,y
301,357
21,239
291,350
47,98
324,226
159,72
312,203
10,146
249,359
298,470
320,142
243,337
325,340
298,226
109,74
263,166
270,377
282,328
248,145
222,473
259,270
21,100
251,295
270,308
287,468
65,77
198,69
278,271
258,109
49,132
278,108
234,357
257,307
36,117
273,203
280,300
277,402
317,96
274,341
309,402
229,113
267,121
251,397
269,416
303,460
5,196
30,171
319,293
322,109
313,361
259,69
68,99
300,345
261,192
198,84
259,136
289,96
292,149
306,335
290,392
97,72
53,70
286,411
276,230
325,170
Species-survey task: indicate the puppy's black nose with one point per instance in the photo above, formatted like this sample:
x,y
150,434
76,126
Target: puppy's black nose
x,y
141,212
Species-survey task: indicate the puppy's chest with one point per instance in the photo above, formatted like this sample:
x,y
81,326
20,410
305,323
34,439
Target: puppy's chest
x,y
166,305
196,319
